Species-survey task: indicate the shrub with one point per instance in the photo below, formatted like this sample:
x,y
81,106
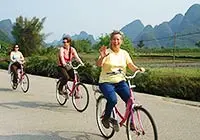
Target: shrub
x,y
175,85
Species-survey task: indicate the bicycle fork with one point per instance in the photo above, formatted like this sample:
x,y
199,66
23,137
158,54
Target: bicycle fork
x,y
138,117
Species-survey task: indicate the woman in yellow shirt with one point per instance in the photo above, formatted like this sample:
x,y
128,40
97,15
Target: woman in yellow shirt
x,y
110,60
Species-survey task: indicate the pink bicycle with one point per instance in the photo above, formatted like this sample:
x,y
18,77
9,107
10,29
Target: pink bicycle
x,y
75,89
139,122
22,79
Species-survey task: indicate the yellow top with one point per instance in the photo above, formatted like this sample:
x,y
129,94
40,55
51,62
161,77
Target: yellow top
x,y
113,62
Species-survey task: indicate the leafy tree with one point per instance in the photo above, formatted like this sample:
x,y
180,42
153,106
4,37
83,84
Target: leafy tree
x,y
27,34
140,44
83,45
197,44
128,46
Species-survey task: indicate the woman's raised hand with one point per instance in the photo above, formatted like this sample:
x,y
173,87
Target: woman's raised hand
x,y
103,51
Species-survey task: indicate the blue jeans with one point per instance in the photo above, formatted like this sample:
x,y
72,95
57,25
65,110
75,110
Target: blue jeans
x,y
109,91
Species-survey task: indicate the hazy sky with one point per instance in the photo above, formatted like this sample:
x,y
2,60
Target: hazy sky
x,y
96,17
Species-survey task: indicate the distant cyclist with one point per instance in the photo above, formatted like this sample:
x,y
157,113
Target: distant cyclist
x,y
17,59
110,60
66,54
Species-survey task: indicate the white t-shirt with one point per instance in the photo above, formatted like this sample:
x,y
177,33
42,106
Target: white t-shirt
x,y
16,56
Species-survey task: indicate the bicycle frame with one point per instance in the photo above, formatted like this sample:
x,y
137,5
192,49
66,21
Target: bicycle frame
x,y
75,80
129,109
20,73
130,105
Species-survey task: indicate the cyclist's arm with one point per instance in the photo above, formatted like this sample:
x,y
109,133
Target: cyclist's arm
x,y
21,57
103,54
130,63
132,67
99,62
77,57
11,57
61,55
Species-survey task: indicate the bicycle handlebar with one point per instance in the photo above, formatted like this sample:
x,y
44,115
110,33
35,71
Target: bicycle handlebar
x,y
121,72
75,68
21,61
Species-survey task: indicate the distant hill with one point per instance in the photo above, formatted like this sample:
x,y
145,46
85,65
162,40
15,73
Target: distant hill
x,y
82,35
175,22
133,29
4,37
6,27
85,36
186,27
149,35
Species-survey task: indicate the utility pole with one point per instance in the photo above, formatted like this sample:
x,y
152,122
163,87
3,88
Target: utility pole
x,y
174,49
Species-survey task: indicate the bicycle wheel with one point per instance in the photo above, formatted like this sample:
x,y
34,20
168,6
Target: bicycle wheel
x,y
11,81
141,118
60,98
80,97
24,83
100,109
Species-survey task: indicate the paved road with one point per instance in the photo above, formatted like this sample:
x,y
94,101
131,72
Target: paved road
x,y
37,115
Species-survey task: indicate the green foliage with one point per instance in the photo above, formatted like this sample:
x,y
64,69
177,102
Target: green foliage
x,y
197,44
127,45
83,45
174,83
47,51
4,48
27,34
43,62
183,52
140,44
103,41
42,65
4,65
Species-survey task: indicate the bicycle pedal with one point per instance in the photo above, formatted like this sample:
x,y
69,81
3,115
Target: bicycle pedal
x,y
115,124
137,105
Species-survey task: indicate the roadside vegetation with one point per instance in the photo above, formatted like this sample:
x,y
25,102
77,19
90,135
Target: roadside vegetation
x,y
169,73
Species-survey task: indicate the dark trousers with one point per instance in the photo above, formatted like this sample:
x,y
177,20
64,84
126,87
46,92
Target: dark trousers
x,y
109,91
14,67
65,75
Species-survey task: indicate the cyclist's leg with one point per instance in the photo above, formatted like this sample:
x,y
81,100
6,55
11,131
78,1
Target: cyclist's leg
x,y
123,91
64,77
71,74
14,70
109,93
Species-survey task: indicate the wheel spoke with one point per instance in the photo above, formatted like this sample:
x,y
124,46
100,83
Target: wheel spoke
x,y
80,97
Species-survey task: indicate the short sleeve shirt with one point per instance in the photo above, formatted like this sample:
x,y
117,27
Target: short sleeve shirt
x,y
113,62
16,56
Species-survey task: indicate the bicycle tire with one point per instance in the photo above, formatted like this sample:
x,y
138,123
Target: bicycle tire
x,y
22,82
107,133
80,93
60,98
150,131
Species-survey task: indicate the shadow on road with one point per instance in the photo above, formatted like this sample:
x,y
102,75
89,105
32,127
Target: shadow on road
x,y
5,89
37,105
60,135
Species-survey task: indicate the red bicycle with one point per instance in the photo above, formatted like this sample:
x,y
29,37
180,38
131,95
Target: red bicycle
x,y
139,122
75,89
